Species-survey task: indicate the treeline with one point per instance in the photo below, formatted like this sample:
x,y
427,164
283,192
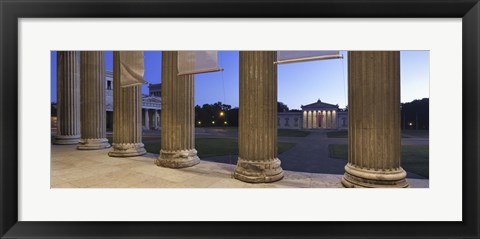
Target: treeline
x,y
216,115
222,115
415,114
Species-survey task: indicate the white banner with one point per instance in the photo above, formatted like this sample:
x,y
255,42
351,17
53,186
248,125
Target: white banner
x,y
284,57
131,68
196,62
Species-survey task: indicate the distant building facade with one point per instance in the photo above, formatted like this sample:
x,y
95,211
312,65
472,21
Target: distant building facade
x,y
318,115
151,105
155,90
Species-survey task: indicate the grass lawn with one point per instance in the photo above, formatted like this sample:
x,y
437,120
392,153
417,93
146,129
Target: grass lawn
x,y
414,158
338,134
408,133
228,129
292,133
281,132
209,147
405,134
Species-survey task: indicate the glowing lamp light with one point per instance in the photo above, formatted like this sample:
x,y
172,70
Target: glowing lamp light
x,y
410,124
221,113
213,122
199,122
225,122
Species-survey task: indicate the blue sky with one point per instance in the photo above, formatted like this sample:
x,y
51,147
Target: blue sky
x,y
298,83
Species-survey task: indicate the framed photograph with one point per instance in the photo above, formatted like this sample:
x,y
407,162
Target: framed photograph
x,y
373,54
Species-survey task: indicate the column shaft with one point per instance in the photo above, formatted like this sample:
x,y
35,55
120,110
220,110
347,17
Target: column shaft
x,y
305,119
178,116
334,119
127,116
374,120
68,97
324,119
154,117
92,101
257,136
147,120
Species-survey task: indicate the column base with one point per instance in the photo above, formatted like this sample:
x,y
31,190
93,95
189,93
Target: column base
x,y
356,177
66,139
127,150
258,171
92,144
178,158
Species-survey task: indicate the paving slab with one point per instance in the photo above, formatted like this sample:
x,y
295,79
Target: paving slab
x,y
72,168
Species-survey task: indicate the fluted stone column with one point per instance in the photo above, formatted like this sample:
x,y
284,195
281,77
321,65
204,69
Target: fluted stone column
x,y
314,119
68,97
257,132
374,120
178,116
92,101
127,116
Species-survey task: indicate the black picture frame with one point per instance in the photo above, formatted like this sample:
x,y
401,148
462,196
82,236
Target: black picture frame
x,y
12,10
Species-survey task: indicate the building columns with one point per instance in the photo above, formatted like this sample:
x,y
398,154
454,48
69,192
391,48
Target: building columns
x,y
92,101
310,118
324,119
178,116
334,119
305,119
319,119
156,119
147,120
127,116
257,137
374,120
68,97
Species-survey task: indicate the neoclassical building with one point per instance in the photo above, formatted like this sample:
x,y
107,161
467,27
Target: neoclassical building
x,y
317,115
374,128
151,104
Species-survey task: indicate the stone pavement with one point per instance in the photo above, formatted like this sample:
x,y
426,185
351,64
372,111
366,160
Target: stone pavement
x,y
72,168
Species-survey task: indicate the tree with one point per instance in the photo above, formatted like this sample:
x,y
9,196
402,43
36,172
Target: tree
x,y
281,107
216,112
53,109
415,114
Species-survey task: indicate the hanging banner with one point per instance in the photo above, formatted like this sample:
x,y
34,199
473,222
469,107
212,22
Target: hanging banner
x,y
196,62
284,57
131,68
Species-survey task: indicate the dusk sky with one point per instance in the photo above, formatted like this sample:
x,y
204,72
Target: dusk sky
x,y
298,83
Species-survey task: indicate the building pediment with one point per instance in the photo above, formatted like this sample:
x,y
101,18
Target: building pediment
x,y
319,105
